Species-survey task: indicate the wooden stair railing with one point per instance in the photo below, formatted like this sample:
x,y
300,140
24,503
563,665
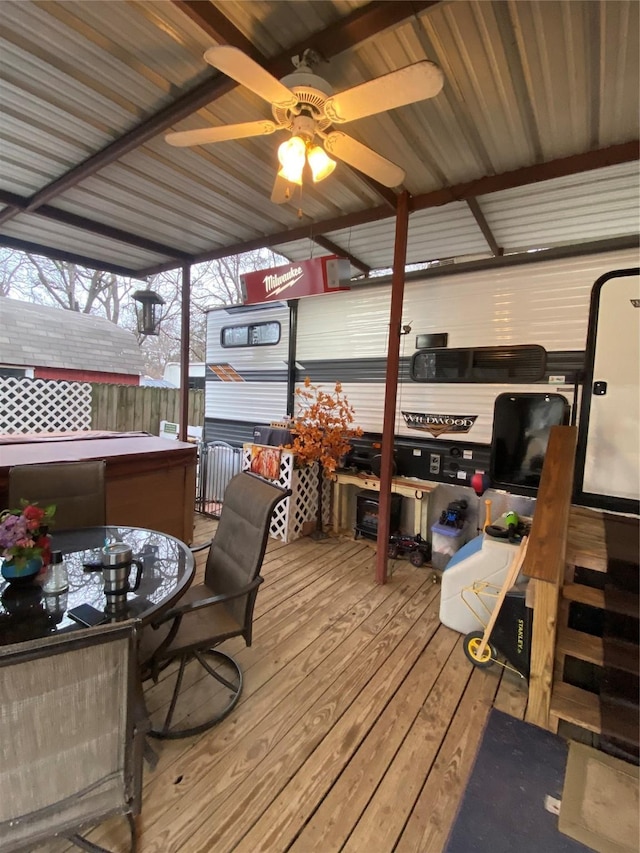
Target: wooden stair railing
x,y
545,566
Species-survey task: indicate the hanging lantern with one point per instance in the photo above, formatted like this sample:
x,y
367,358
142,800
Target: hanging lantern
x,y
147,311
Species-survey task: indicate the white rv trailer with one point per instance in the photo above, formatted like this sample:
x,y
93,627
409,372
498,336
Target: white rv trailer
x,y
513,333
196,374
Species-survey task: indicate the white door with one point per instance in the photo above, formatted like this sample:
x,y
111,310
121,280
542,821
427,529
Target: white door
x,y
612,459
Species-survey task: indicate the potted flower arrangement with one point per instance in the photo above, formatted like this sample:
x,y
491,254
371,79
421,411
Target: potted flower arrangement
x,y
322,432
24,543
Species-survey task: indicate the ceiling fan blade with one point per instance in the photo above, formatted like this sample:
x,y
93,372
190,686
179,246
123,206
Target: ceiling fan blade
x,y
364,159
241,68
282,191
406,86
183,138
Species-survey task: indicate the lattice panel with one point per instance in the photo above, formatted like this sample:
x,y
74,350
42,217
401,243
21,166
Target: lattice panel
x,y
41,405
291,514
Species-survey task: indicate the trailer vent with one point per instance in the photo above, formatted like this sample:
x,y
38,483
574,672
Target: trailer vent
x,y
480,364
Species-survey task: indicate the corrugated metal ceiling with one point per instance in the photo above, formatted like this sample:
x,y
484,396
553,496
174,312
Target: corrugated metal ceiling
x,y
525,83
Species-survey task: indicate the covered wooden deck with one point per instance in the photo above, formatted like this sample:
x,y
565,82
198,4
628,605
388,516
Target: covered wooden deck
x,y
358,725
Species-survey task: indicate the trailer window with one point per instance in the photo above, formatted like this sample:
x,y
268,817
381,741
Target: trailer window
x,y
250,335
480,364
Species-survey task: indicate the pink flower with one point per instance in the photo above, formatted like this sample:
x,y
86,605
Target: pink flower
x,y
21,533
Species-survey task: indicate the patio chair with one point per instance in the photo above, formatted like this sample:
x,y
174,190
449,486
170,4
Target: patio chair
x,y
76,488
219,608
72,728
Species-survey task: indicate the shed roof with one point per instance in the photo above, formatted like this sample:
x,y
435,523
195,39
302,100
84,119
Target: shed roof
x,y
40,336
532,142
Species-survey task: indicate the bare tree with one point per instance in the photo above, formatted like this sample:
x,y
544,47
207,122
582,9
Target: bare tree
x,y
69,286
10,266
213,284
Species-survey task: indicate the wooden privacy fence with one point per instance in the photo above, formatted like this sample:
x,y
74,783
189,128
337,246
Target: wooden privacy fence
x,y
125,408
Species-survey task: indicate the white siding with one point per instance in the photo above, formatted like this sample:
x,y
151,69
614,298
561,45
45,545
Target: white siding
x,y
545,304
258,402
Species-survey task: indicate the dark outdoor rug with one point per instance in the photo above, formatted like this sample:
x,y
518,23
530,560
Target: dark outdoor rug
x,y
503,808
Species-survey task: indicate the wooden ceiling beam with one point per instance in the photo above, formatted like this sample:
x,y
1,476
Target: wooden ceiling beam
x,y
332,247
479,217
339,36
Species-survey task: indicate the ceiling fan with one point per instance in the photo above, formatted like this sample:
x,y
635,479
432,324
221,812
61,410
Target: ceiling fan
x,y
303,103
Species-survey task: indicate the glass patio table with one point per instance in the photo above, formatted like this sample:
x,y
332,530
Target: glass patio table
x,y
168,568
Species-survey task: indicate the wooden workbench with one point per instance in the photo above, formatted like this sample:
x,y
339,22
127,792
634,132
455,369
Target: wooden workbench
x,y
344,484
149,481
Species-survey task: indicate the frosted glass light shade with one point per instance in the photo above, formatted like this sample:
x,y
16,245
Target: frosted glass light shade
x,y
291,154
320,163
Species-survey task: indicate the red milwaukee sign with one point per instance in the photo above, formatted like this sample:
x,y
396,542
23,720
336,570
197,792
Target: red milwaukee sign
x,y
303,278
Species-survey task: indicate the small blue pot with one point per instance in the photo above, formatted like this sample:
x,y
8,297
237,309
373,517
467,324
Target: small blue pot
x,y
21,571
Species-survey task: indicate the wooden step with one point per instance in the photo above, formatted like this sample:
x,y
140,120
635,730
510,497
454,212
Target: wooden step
x,y
579,645
623,655
584,594
624,603
576,706
595,537
620,654
624,719
619,601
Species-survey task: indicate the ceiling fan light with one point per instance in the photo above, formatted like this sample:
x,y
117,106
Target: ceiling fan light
x,y
320,163
291,155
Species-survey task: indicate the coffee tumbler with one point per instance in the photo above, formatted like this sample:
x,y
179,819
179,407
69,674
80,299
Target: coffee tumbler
x,y
117,560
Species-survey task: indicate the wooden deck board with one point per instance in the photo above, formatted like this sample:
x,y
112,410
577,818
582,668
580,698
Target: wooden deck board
x,y
357,728
589,546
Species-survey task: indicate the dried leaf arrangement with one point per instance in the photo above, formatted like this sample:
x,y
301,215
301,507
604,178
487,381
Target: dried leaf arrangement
x,y
322,431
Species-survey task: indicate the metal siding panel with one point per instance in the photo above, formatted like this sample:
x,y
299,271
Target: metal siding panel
x,y
587,206
250,401
273,26
545,304
36,229
253,402
348,324
619,72
524,81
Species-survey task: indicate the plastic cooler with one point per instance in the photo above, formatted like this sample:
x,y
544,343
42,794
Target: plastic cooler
x,y
445,542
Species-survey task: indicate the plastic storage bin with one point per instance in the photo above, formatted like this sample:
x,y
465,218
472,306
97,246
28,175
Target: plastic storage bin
x,y
445,542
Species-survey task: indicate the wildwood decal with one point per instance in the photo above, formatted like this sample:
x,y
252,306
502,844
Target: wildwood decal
x,y
439,424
